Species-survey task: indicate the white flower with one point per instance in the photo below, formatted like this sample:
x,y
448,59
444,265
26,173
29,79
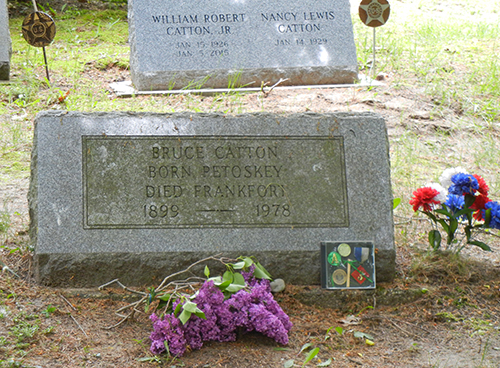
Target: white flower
x,y
445,178
442,192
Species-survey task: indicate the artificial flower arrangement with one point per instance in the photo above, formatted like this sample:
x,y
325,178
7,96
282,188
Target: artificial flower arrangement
x,y
237,302
460,200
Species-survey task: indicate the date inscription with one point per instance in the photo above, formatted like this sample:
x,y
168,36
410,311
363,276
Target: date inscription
x,y
223,181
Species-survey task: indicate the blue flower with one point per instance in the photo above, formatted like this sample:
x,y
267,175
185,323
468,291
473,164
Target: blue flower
x,y
495,214
463,184
454,203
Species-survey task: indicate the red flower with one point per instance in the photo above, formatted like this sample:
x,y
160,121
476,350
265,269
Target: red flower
x,y
480,204
424,197
483,187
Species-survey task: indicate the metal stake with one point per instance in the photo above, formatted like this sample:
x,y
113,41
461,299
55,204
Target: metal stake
x,y
44,53
374,43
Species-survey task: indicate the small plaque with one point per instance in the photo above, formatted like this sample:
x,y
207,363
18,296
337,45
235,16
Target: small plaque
x,y
347,265
374,13
39,29
221,181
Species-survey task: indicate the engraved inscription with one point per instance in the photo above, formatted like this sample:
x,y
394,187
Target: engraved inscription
x,y
148,182
211,35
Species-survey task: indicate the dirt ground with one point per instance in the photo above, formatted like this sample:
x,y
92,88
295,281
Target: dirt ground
x,y
438,312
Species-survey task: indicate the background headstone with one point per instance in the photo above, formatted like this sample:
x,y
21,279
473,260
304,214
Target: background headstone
x,y
5,42
137,196
218,44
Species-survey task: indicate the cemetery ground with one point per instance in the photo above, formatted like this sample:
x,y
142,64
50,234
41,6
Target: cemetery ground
x,y
439,66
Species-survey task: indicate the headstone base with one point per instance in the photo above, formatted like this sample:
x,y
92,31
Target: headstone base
x,y
92,270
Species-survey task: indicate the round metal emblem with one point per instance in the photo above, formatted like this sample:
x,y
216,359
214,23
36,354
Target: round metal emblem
x,y
339,277
39,29
334,258
344,250
374,13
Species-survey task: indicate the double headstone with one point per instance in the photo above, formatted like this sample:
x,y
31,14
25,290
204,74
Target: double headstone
x,y
5,42
137,196
216,44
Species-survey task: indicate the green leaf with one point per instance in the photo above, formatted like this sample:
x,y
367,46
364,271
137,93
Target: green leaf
x,y
326,363
184,316
395,203
206,272
261,273
248,261
339,330
164,297
481,245
443,212
305,347
222,286
469,200
362,335
239,265
165,343
177,309
311,356
452,229
487,217
444,224
281,349
228,276
234,288
239,279
289,363
191,307
468,232
462,212
200,314
215,279
435,239
430,215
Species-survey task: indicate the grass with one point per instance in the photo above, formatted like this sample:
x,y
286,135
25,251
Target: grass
x,y
450,58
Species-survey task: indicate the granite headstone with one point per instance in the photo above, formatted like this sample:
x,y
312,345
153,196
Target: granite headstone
x,y
5,42
218,44
138,195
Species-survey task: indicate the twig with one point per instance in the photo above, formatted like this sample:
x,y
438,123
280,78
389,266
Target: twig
x,y
213,258
6,268
67,301
414,325
117,281
266,93
73,318
354,361
176,284
120,322
80,327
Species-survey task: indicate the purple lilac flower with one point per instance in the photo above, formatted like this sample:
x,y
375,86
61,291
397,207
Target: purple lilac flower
x,y
495,214
246,310
463,184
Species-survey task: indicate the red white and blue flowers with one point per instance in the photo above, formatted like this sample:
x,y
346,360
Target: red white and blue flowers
x,y
461,199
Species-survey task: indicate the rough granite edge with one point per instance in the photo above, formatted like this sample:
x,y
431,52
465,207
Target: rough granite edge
x,y
92,270
292,76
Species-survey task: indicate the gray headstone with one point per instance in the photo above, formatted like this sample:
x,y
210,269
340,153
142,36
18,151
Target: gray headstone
x,y
5,42
136,196
217,44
